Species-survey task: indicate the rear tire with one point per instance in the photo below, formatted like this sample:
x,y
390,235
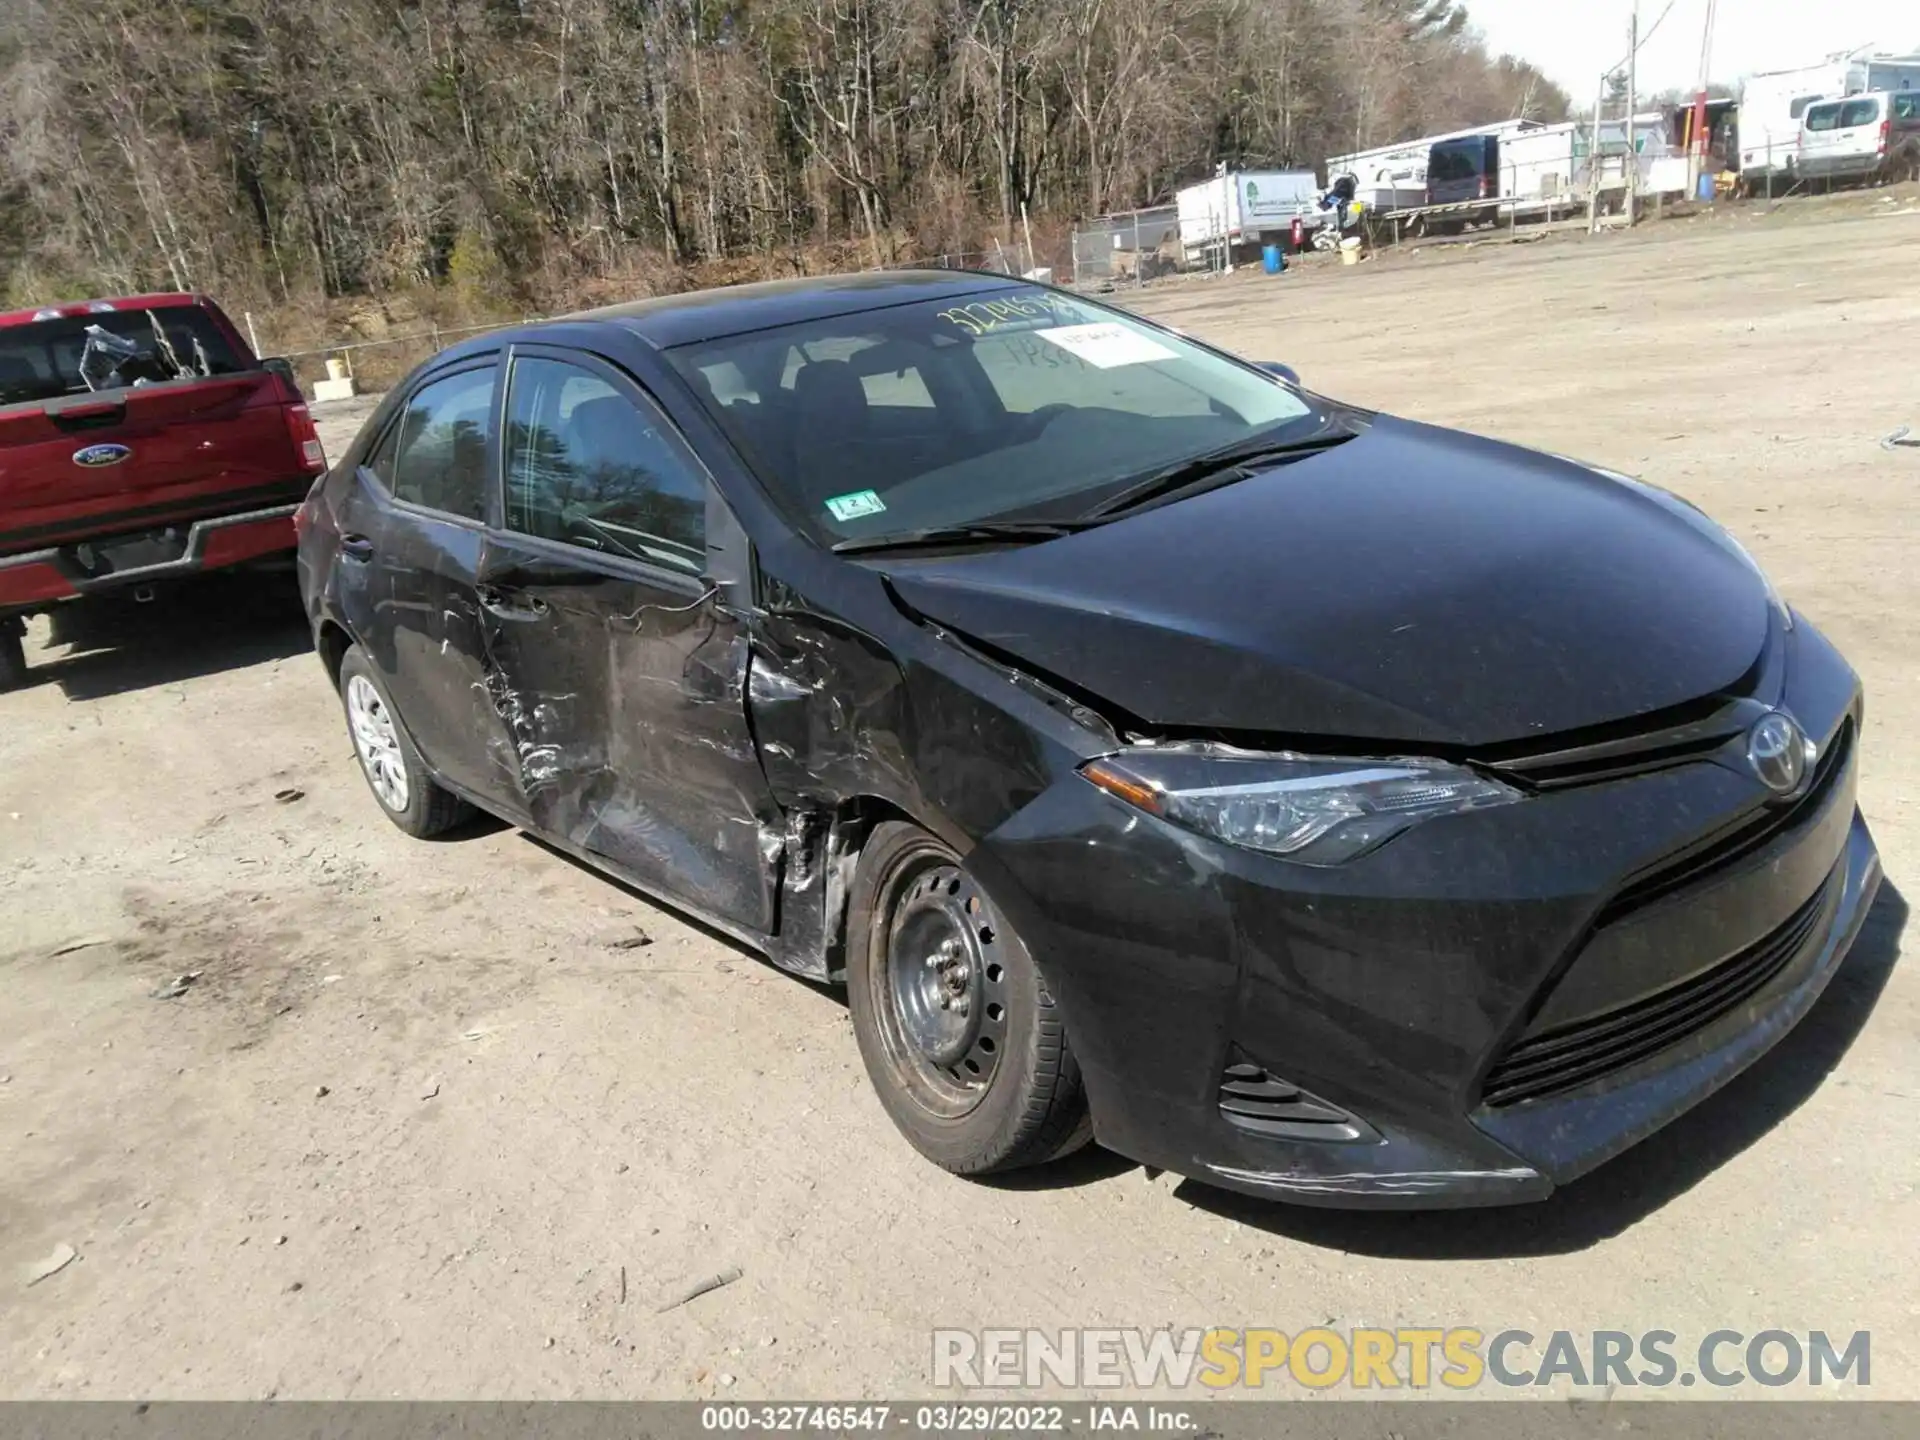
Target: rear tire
x,y
389,763
959,1033
13,655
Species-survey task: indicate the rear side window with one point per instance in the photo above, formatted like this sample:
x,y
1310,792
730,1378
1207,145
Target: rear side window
x,y
1799,107
1823,117
1906,107
1859,112
435,455
41,360
595,466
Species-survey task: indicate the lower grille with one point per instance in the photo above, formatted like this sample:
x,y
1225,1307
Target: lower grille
x,y
1254,1099
1574,1055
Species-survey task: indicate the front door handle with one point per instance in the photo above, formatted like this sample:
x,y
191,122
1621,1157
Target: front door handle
x,y
356,547
510,604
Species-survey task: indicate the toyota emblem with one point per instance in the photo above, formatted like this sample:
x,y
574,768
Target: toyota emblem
x,y
1778,753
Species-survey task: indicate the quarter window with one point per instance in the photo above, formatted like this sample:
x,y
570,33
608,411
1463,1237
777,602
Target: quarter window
x,y
436,454
594,466
1823,117
1859,112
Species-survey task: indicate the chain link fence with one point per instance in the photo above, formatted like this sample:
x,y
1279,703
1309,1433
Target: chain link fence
x,y
1128,248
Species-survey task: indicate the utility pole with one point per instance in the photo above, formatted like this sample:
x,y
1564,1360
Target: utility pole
x,y
1699,147
1633,151
1593,161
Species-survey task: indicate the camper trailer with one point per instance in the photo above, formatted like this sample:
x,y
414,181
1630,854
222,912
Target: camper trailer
x,y
1541,164
1773,105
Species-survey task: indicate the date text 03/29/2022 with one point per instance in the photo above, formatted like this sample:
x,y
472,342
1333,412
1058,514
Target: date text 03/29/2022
x,y
945,1418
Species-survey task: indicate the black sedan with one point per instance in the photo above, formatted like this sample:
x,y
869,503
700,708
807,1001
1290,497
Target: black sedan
x,y
1315,803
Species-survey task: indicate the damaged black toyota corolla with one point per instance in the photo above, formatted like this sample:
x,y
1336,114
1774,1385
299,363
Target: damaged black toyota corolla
x,y
1319,804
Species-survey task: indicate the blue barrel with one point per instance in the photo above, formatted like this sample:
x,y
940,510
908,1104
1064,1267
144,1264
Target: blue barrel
x,y
1706,188
1271,260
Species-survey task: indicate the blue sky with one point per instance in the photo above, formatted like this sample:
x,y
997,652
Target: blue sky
x,y
1572,40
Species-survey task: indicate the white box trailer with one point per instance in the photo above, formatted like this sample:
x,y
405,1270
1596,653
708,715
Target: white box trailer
x,y
1771,105
1245,207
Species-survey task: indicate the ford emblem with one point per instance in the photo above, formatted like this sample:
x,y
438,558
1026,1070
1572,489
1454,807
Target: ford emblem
x,y
1778,753
98,457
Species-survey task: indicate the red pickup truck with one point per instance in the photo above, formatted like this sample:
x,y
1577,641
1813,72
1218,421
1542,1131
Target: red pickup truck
x,y
141,441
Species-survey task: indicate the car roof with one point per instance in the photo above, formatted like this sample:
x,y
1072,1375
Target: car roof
x,y
669,320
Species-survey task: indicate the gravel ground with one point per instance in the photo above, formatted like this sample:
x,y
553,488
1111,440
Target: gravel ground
x,y
425,1123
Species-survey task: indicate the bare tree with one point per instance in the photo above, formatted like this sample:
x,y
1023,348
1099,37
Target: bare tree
x,y
508,150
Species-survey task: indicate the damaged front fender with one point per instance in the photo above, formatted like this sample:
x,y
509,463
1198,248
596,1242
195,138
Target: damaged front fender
x,y
853,728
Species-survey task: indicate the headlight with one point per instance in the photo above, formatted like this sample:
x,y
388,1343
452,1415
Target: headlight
x,y
1699,519
1314,811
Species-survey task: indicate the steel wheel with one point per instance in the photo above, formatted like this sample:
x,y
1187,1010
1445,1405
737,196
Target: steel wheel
x,y
958,1031
377,739
945,985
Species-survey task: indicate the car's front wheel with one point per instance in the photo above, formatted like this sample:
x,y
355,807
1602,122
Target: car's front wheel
x,y
959,1032
393,768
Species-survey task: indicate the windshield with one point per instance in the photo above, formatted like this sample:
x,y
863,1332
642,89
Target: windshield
x,y
1020,403
43,359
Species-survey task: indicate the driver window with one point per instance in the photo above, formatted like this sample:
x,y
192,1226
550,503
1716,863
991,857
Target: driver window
x,y
591,465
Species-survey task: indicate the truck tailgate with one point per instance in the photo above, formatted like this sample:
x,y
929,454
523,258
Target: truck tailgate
x,y
130,459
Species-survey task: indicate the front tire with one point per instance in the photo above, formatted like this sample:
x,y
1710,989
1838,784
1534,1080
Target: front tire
x,y
959,1033
392,767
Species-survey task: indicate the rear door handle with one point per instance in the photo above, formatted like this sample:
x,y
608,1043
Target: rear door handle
x,y
510,604
356,547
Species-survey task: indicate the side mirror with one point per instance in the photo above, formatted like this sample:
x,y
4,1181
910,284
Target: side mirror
x,y
1284,372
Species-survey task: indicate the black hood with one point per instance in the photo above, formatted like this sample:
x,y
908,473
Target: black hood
x,y
1415,585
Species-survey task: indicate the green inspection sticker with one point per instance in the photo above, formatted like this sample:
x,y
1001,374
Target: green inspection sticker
x,y
852,507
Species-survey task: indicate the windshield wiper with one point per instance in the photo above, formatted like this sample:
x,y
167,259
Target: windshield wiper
x,y
1212,470
980,532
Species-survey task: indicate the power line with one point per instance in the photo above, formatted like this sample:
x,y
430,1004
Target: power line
x,y
1644,38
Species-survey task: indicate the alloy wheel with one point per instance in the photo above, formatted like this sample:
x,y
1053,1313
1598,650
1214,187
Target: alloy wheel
x,y
377,739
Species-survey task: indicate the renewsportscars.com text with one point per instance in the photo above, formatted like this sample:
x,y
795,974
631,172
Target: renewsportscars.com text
x,y
1410,1358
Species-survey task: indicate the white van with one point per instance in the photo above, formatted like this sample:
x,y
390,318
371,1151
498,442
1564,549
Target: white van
x,y
1772,107
1862,137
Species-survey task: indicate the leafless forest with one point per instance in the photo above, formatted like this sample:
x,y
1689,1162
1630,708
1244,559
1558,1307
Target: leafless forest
x,y
525,151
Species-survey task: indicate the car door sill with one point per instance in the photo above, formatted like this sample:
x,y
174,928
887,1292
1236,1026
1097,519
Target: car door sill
x,y
760,944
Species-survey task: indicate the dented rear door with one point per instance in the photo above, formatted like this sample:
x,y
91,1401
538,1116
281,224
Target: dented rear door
x,y
622,687
412,536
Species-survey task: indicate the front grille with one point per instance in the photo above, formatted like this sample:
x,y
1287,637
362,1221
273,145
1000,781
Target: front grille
x,y
1753,832
1255,1099
1635,747
1570,1056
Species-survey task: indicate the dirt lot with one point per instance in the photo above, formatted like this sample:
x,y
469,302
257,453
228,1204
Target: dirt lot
x,y
423,1127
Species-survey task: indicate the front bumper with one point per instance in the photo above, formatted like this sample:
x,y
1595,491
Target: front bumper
x,y
1393,988
42,577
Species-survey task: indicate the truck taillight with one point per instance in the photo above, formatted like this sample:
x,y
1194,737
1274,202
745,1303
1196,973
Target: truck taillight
x,y
1886,135
1485,188
306,438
